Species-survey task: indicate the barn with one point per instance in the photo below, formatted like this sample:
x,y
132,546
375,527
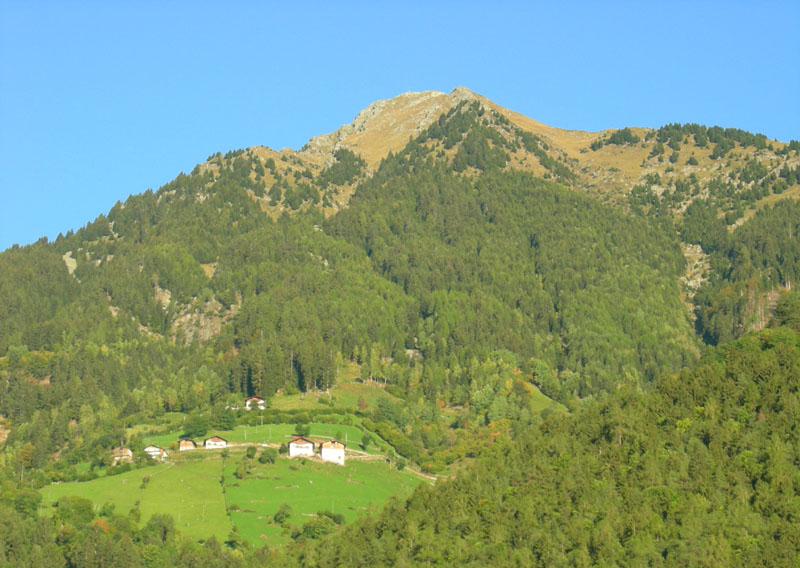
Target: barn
x,y
215,443
186,444
332,451
300,446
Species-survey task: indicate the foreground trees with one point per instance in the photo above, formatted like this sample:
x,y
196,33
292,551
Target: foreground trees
x,y
701,471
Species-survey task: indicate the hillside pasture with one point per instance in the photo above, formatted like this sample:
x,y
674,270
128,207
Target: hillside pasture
x,y
308,487
189,489
123,490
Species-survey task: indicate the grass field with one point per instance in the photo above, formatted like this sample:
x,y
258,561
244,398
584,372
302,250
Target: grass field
x,y
541,401
190,491
122,490
308,487
189,488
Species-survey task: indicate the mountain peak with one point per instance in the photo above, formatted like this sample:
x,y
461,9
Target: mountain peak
x,y
462,93
386,125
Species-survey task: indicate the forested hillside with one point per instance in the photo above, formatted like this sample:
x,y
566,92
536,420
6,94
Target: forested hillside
x,y
700,471
482,262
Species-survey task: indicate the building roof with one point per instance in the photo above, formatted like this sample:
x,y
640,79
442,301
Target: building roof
x,y
215,439
256,398
152,447
187,441
301,439
333,444
122,451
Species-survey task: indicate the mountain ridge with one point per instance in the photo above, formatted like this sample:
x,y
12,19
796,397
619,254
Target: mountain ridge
x,y
603,167
471,135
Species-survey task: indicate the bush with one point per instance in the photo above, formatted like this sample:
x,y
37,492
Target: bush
x,y
301,418
283,513
268,455
318,527
88,476
337,518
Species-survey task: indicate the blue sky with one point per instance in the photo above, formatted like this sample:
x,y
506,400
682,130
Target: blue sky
x,y
101,100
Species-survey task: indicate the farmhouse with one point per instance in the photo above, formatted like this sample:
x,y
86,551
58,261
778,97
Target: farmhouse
x,y
332,451
121,455
254,402
301,447
156,453
184,445
215,442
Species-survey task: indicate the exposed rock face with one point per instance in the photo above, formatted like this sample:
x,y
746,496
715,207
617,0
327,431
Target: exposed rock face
x,y
204,323
71,263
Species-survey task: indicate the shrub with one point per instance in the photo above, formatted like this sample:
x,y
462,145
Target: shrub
x,y
268,455
283,513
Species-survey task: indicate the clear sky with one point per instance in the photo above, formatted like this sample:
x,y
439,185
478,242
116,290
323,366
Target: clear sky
x,y
100,100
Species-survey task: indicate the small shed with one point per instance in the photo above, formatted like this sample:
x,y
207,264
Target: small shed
x,y
186,444
332,451
215,443
254,402
121,455
300,446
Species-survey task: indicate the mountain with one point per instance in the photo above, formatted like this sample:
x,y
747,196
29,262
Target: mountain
x,y
438,210
469,262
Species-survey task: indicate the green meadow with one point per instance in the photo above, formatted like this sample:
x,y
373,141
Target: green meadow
x,y
308,487
190,489
191,492
123,490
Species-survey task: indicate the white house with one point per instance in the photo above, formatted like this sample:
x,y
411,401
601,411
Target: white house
x,y
215,442
301,447
186,444
156,453
332,451
254,402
